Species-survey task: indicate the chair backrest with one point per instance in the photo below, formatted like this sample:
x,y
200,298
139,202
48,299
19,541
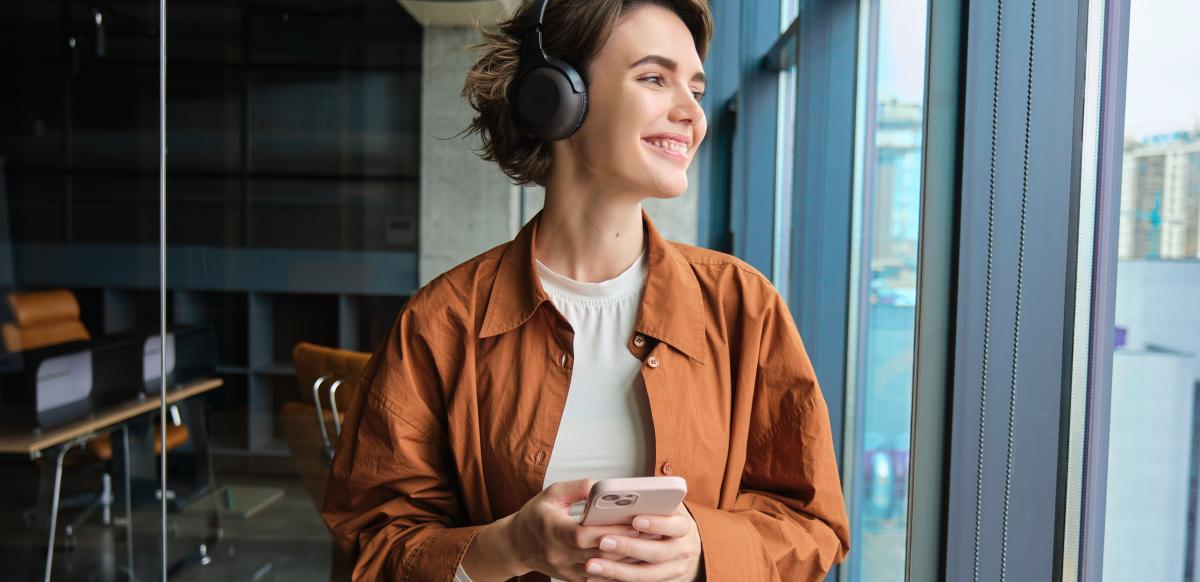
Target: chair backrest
x,y
314,361
42,318
310,436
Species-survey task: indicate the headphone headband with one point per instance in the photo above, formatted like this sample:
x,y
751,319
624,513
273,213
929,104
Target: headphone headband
x,y
533,17
532,53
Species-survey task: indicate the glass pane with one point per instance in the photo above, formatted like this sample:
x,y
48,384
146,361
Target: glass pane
x,y
292,215
785,149
784,156
79,234
1152,516
888,212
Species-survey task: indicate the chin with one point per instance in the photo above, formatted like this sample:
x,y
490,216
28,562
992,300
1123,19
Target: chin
x,y
664,185
665,192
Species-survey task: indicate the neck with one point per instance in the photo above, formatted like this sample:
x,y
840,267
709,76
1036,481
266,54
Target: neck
x,y
588,236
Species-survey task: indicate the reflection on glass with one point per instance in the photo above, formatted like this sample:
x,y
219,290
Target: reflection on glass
x,y
292,214
890,211
1152,514
79,205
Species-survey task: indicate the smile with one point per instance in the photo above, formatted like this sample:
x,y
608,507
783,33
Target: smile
x,y
668,147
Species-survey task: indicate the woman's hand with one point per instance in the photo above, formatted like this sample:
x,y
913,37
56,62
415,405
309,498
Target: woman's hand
x,y
545,538
674,557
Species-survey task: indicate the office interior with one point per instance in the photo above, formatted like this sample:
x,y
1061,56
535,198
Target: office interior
x,y
984,217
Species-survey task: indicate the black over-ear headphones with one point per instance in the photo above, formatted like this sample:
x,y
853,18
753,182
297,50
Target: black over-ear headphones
x,y
550,99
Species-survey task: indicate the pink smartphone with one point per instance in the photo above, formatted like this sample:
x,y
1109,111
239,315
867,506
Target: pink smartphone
x,y
618,501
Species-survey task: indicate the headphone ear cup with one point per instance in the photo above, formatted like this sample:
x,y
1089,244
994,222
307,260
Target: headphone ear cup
x,y
546,104
583,110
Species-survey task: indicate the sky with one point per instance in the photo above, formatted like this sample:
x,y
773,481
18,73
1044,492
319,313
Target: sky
x,y
902,50
1163,86
1163,90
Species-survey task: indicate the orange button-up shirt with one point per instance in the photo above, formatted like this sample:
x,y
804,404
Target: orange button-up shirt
x,y
457,412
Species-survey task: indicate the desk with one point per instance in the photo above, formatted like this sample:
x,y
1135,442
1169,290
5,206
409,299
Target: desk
x,y
36,444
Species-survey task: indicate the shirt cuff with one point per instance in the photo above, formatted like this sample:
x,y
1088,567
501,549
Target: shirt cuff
x,y
729,545
436,557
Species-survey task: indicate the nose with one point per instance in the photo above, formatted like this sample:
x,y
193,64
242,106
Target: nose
x,y
686,109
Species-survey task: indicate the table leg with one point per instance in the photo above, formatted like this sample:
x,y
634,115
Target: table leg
x,y
128,501
53,474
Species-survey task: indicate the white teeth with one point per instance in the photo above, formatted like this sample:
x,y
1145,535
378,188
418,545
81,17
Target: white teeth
x,y
671,145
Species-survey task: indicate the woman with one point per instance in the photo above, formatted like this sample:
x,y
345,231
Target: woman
x,y
589,347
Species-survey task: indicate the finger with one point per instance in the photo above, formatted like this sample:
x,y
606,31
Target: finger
x,y
599,579
632,572
652,551
565,493
672,526
581,536
588,536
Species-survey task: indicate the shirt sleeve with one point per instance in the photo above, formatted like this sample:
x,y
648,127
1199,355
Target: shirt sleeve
x,y
788,521
392,500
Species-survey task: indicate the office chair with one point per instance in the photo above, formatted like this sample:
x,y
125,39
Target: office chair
x,y
327,380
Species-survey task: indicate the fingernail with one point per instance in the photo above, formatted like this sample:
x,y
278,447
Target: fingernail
x,y
608,544
594,568
641,523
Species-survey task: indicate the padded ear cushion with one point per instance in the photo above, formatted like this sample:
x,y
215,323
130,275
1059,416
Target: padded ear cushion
x,y
546,104
583,109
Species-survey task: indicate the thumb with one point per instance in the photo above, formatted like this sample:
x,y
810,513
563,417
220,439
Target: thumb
x,y
567,492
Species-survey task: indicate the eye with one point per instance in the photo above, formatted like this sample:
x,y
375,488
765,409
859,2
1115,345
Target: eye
x,y
654,78
698,95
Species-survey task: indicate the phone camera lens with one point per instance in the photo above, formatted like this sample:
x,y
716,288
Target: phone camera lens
x,y
625,502
610,497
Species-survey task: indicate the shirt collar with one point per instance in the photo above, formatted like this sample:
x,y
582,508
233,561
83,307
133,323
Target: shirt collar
x,y
671,309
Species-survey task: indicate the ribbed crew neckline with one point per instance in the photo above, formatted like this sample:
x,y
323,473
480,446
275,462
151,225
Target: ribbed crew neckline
x,y
613,290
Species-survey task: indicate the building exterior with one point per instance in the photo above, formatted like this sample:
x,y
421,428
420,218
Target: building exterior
x,y
1160,197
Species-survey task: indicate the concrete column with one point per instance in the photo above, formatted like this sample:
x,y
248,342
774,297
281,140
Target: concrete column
x,y
467,204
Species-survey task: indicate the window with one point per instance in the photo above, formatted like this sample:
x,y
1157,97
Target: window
x,y
1151,517
883,284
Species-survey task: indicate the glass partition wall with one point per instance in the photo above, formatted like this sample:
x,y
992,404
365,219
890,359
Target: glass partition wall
x,y
79,269
292,229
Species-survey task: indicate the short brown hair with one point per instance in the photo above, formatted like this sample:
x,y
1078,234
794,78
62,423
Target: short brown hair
x,y
576,31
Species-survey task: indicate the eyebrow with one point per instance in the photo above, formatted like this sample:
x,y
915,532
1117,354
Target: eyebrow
x,y
668,64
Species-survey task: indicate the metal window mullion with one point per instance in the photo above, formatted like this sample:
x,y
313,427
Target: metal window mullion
x,y
933,351
1014,313
754,138
1094,466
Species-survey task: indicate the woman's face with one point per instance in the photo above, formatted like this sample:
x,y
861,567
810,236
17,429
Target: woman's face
x,y
644,122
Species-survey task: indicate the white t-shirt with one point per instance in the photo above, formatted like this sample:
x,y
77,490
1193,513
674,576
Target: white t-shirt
x,y
606,430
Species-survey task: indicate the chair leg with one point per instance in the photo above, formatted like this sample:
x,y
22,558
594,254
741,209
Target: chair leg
x,y
102,500
106,498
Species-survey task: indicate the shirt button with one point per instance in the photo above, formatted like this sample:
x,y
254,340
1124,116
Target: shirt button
x,y
639,340
541,456
563,360
667,468
652,362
